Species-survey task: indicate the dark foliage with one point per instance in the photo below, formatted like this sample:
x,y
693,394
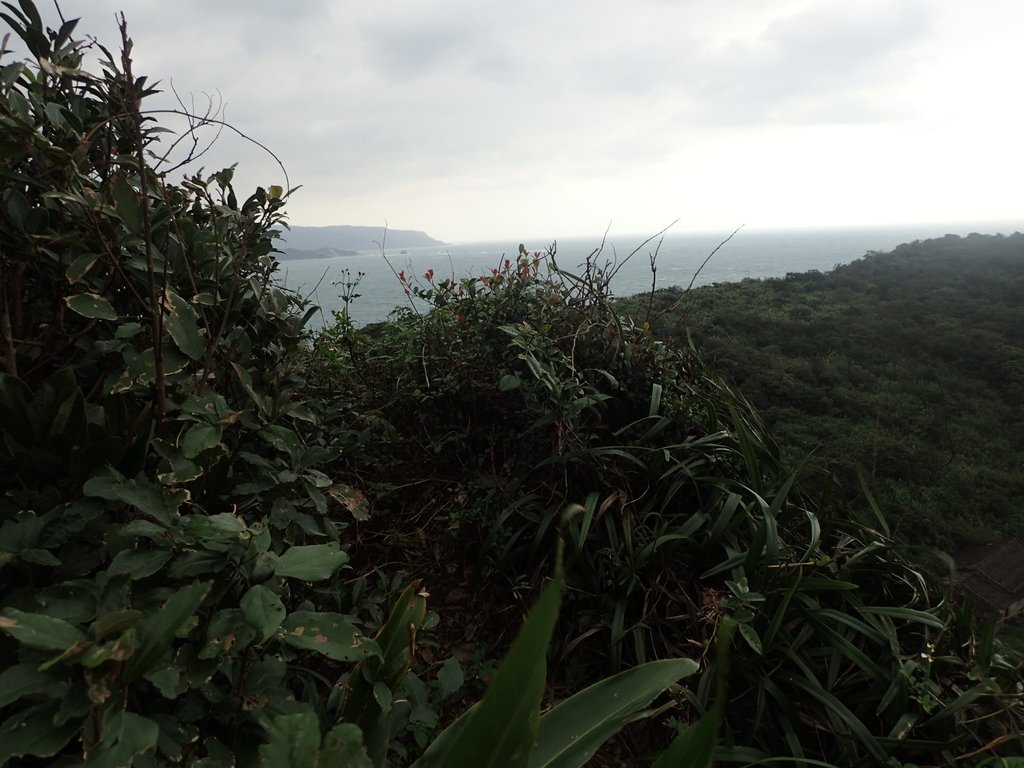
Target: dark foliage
x,y
907,367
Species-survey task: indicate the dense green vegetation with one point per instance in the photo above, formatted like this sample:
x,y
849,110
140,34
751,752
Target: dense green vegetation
x,y
907,367
218,533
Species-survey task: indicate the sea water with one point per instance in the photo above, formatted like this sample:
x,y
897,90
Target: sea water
x,y
679,260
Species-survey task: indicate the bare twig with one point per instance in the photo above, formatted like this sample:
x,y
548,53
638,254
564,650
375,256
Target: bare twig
x,y
155,306
384,255
8,297
671,307
708,258
641,246
195,122
654,279
230,127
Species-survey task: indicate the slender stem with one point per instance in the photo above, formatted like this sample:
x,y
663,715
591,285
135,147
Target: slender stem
x,y
155,305
8,358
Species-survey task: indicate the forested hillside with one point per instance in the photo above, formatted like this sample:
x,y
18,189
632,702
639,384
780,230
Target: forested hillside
x,y
907,366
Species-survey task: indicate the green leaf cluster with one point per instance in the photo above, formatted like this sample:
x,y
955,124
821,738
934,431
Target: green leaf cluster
x,y
166,530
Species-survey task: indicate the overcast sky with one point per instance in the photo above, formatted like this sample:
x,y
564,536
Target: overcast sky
x,y
478,119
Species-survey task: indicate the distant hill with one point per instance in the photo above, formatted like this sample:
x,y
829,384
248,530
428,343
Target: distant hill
x,y
349,238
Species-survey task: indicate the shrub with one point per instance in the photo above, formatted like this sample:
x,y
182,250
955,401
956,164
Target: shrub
x,y
523,388
166,536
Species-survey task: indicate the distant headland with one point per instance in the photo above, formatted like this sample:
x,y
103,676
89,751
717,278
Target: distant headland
x,y
347,240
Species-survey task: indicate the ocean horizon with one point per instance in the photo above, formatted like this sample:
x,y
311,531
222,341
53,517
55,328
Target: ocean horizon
x,y
750,253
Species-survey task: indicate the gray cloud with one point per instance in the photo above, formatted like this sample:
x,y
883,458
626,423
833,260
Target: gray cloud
x,y
376,102
824,64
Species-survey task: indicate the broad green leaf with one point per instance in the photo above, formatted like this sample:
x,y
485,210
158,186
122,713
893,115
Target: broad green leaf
x,y
182,323
157,630
330,634
26,679
91,305
199,438
313,562
292,742
127,203
343,748
35,630
74,603
210,406
31,731
142,368
571,733
500,731
126,735
227,633
263,610
167,680
750,635
450,677
38,556
220,532
80,266
116,650
182,470
154,500
127,330
246,381
118,621
138,563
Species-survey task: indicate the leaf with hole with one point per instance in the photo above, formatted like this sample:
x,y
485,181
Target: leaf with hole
x,y
329,634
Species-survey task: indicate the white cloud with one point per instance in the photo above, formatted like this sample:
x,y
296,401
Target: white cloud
x,y
478,119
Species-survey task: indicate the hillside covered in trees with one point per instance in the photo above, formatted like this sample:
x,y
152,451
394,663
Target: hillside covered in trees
x,y
906,368
516,529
